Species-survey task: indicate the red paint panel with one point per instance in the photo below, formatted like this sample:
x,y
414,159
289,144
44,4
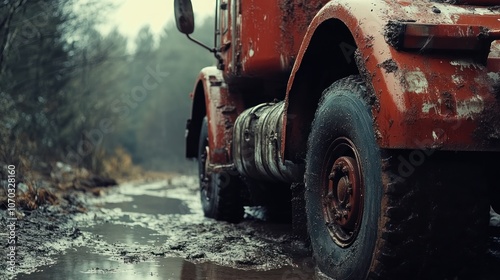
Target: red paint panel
x,y
261,46
266,35
429,100
222,111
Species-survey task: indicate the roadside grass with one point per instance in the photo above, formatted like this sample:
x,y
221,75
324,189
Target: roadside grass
x,y
49,183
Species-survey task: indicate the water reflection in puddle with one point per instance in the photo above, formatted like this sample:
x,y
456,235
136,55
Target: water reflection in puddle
x,y
113,233
80,263
147,204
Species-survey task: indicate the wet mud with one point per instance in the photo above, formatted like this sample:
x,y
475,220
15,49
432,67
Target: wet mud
x,y
154,231
157,231
390,66
393,34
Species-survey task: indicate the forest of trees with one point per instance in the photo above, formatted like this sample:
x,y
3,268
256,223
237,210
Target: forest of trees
x,y
69,93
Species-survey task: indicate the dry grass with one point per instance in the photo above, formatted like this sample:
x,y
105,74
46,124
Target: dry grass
x,y
48,187
34,198
120,166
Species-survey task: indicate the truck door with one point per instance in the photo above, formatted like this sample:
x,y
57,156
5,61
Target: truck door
x,y
229,34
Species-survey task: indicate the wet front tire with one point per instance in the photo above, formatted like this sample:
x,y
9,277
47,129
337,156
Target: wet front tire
x,y
220,190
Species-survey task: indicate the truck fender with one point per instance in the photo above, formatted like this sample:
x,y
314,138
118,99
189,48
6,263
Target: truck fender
x,y
211,98
418,101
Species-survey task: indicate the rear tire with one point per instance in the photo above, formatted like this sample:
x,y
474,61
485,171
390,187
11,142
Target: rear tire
x,y
368,220
220,191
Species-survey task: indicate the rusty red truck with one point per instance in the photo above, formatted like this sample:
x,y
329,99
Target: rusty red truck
x,y
376,122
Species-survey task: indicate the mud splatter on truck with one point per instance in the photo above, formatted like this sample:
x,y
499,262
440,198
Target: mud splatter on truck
x,y
360,115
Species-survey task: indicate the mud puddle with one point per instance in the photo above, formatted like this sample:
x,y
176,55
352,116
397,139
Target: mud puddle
x,y
156,230
81,263
151,205
124,234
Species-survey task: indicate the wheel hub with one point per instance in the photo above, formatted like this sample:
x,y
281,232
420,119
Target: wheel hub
x,y
342,197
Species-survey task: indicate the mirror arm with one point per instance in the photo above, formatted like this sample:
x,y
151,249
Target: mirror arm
x,y
213,50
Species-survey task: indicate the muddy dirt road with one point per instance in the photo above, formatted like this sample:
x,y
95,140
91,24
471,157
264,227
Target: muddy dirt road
x,y
156,230
153,231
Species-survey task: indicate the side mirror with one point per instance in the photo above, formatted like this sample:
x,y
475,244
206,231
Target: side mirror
x,y
184,17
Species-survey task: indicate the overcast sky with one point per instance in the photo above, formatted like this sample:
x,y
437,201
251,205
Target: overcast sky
x,y
131,15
